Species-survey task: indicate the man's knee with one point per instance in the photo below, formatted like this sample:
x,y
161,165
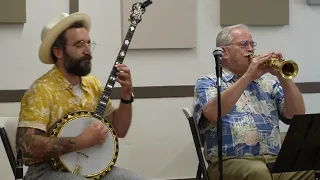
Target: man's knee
x,y
259,172
253,170
125,174
242,169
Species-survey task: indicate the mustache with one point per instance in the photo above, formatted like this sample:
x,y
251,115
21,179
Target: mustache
x,y
85,58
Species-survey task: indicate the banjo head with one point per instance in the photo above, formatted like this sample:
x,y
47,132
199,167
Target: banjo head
x,y
92,162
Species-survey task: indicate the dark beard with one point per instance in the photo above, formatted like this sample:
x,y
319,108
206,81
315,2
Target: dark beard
x,y
78,66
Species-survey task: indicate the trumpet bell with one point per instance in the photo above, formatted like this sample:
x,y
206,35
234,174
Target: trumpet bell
x,y
288,69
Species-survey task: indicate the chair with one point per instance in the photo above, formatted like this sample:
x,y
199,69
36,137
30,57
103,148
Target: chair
x,y
8,129
202,170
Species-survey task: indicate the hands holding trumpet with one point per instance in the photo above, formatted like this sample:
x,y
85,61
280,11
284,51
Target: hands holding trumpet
x,y
274,64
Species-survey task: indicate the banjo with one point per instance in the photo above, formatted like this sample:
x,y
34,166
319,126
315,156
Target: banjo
x,y
96,161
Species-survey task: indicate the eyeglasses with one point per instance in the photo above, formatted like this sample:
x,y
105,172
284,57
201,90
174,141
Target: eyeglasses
x,y
82,45
244,44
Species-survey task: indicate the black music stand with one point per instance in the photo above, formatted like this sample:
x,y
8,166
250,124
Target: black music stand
x,y
300,150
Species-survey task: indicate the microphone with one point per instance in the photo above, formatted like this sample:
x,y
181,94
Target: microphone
x,y
218,53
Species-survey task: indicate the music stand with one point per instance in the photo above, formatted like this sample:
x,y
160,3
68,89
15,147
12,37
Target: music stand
x,y
300,150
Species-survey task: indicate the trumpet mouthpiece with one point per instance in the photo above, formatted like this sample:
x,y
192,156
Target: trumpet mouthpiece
x,y
250,56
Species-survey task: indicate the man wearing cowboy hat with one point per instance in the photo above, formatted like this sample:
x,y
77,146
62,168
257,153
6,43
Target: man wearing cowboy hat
x,y
66,88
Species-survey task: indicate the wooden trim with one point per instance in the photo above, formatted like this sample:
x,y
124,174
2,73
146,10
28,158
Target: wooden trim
x,y
309,87
73,6
9,96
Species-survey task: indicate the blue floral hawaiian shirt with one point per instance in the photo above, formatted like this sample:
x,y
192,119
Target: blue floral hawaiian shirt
x,y
251,127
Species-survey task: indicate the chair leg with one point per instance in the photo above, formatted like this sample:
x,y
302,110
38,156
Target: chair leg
x,y
199,172
8,149
205,175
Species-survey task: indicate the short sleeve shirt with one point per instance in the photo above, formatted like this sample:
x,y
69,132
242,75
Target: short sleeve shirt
x,y
51,96
251,127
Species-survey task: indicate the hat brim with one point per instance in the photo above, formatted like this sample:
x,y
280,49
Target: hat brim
x,y
52,34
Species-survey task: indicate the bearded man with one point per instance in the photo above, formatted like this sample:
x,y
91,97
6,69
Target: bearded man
x,y
65,88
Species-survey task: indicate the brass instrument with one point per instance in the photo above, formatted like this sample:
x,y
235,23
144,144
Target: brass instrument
x,y
288,69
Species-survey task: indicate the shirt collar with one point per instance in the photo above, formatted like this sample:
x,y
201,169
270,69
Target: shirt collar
x,y
63,81
227,75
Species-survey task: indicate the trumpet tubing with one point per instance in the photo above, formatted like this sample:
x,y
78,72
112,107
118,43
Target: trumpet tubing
x,y
288,69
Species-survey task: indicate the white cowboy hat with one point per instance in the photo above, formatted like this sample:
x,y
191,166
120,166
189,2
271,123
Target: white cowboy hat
x,y
52,30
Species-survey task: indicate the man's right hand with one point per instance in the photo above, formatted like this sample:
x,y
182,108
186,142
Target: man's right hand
x,y
94,134
257,67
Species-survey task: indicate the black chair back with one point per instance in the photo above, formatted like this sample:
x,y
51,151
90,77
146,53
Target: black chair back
x,y
198,142
16,166
8,148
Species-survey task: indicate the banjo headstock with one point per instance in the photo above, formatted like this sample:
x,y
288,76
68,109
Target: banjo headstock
x,y
138,9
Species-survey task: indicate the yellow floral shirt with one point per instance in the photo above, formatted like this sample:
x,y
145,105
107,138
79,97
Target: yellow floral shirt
x,y
51,97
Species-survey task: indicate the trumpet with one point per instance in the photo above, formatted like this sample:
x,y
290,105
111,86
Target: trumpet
x,y
288,69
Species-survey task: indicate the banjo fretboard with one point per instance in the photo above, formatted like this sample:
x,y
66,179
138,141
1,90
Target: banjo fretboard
x,y
138,9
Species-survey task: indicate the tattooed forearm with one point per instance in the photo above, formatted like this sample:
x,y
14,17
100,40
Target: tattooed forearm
x,y
35,144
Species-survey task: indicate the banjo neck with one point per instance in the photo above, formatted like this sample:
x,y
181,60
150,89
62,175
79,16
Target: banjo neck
x,y
138,9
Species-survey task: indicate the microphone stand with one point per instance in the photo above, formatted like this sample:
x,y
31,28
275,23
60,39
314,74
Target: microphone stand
x,y
218,56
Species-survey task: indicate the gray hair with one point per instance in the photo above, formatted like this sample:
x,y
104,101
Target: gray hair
x,y
224,36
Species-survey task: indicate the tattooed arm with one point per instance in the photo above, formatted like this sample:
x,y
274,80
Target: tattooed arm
x,y
36,111
35,144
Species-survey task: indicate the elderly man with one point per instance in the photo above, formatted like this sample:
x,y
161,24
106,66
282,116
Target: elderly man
x,y
252,105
